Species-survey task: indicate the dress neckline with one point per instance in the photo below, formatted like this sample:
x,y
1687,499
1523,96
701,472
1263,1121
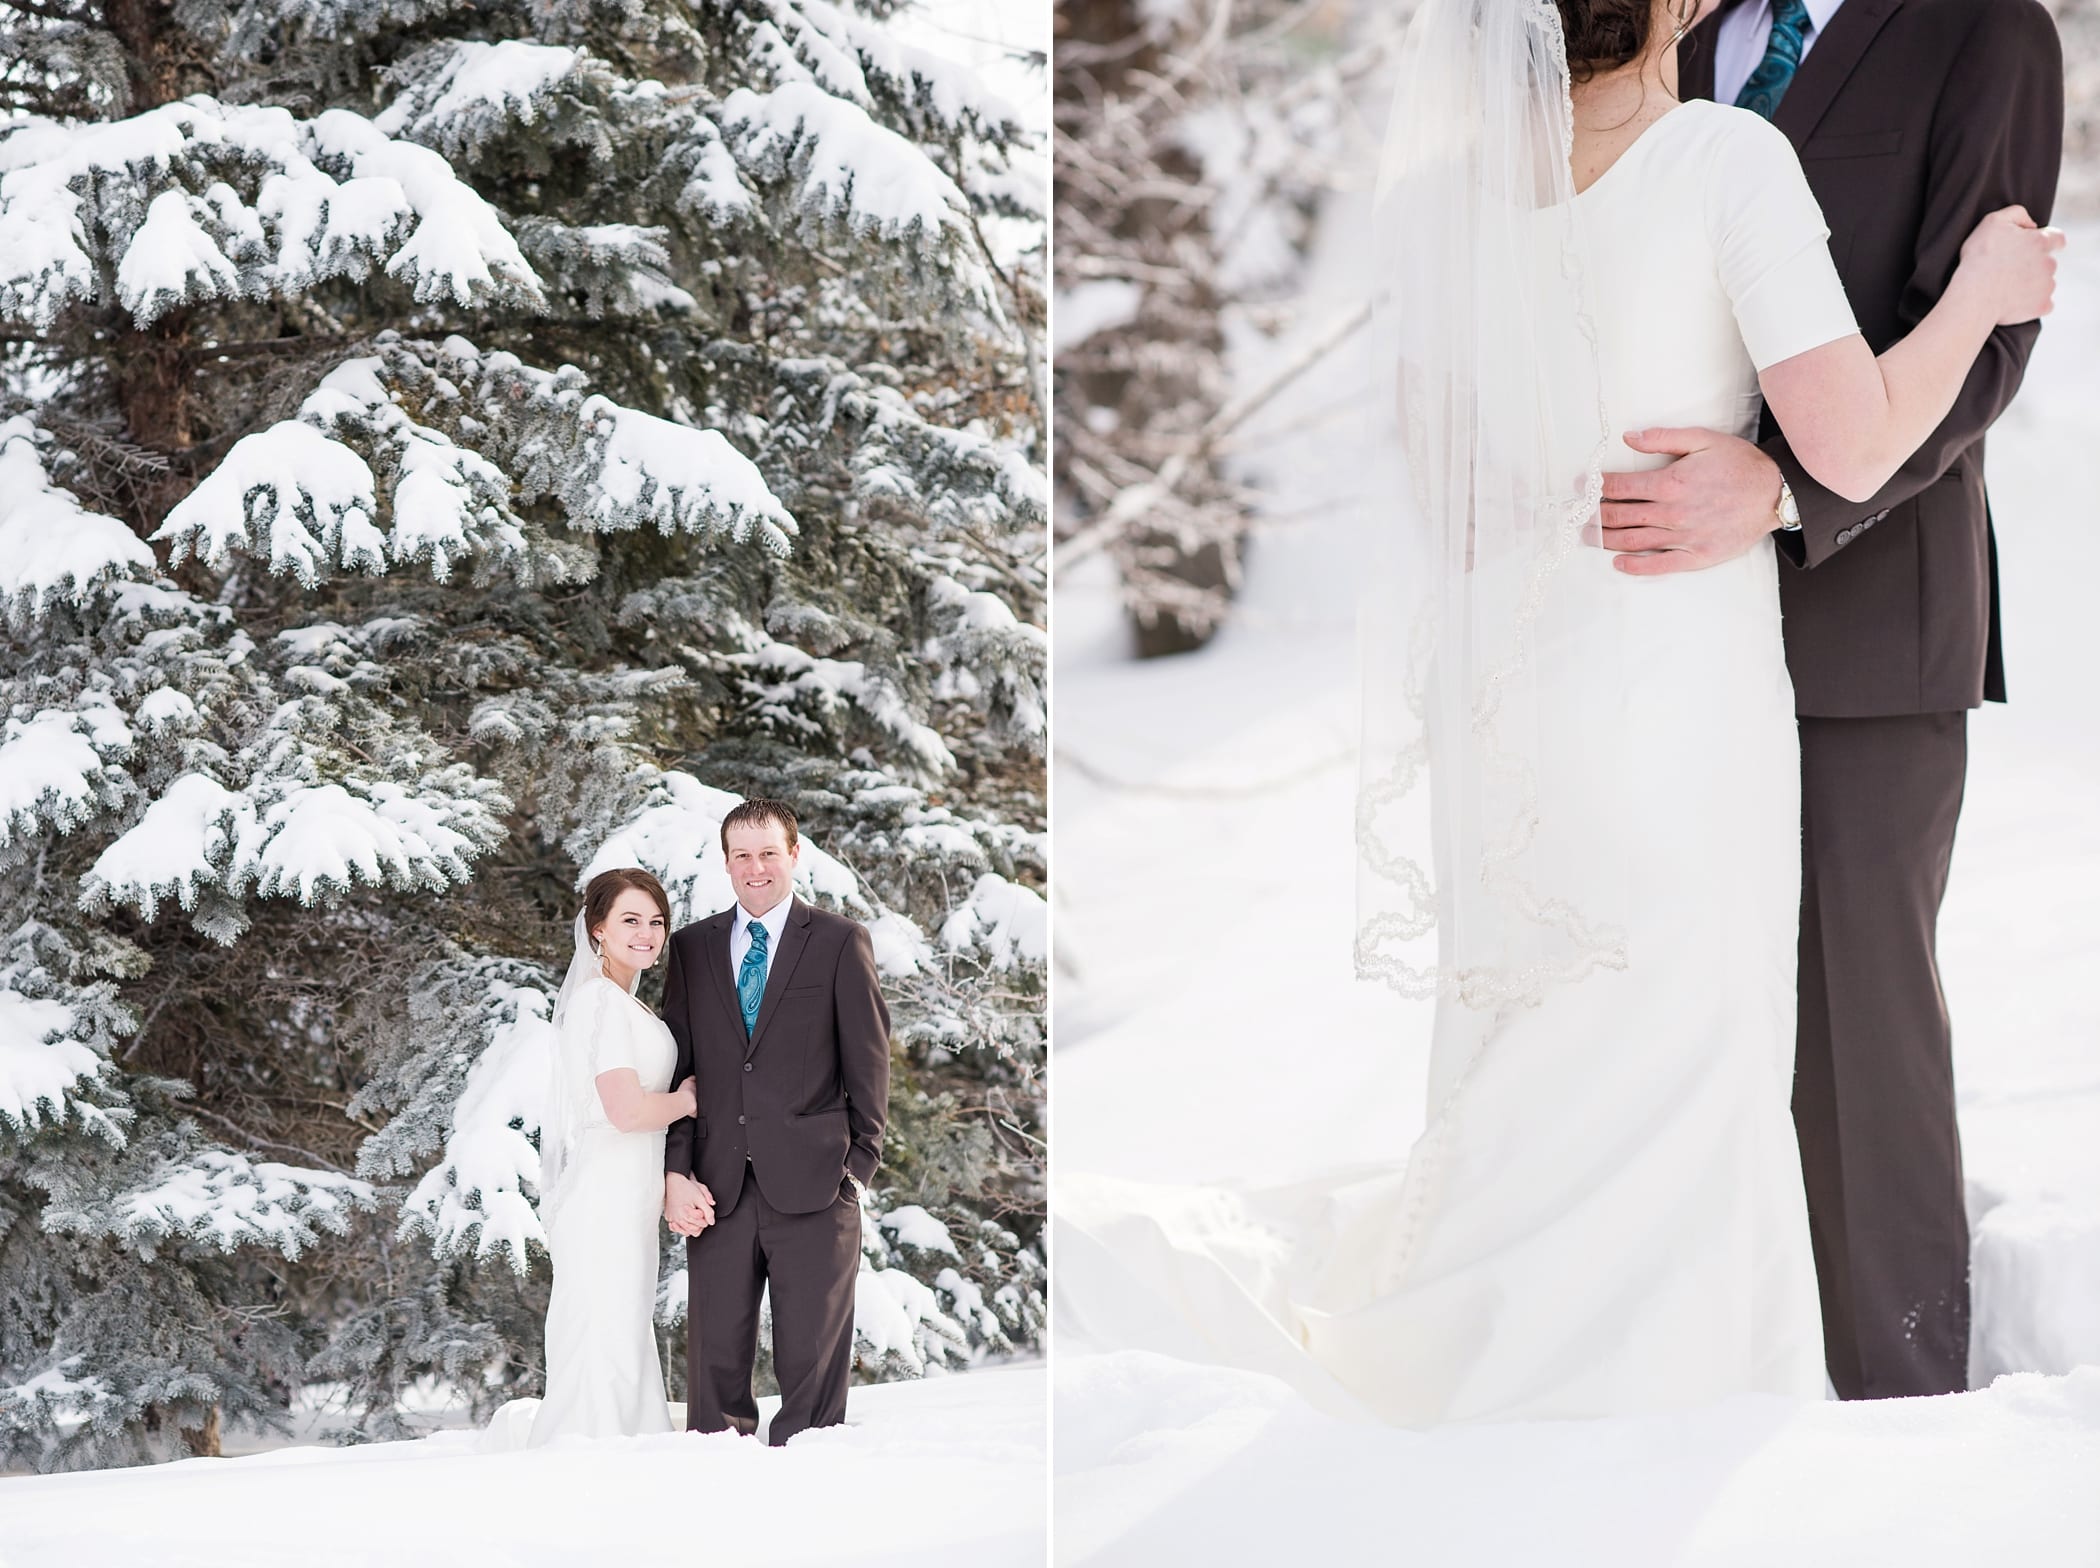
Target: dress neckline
x,y
1627,152
647,1010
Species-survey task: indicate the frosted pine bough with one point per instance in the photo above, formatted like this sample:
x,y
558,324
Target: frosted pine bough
x,y
417,493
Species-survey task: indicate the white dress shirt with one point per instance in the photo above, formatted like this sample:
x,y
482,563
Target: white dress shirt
x,y
1746,32
774,920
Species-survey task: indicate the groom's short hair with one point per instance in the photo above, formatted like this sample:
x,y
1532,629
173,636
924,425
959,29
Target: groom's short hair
x,y
756,813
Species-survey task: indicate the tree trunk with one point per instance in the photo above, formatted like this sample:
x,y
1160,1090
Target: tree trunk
x,y
153,380
161,62
203,1441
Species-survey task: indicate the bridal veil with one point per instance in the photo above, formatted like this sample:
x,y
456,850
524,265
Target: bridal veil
x,y
1489,435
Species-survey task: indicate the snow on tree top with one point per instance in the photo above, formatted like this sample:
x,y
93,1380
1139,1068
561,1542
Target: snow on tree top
x,y
50,545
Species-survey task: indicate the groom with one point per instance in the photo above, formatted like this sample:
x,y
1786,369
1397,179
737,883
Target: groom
x,y
1913,119
777,1012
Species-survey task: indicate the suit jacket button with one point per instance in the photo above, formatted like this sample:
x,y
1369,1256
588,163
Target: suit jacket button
x,y
740,1121
747,1067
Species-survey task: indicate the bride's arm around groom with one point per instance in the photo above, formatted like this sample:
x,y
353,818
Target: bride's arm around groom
x,y
1965,100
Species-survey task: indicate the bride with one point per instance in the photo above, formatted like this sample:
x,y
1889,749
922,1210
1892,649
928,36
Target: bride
x,y
602,1156
1578,826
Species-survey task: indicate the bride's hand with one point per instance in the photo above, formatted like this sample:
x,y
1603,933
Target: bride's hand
x,y
2014,262
688,1094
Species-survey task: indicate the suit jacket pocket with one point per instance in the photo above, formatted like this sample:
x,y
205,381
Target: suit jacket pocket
x,y
1873,144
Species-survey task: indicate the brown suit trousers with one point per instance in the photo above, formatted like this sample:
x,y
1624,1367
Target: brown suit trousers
x,y
1913,118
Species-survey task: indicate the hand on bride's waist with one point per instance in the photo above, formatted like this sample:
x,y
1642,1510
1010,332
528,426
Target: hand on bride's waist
x,y
1712,504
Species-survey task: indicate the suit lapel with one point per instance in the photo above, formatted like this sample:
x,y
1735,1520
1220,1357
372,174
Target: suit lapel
x,y
794,937
1830,62
714,958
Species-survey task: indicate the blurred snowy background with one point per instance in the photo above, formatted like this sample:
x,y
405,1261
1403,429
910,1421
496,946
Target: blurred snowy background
x,y
1203,805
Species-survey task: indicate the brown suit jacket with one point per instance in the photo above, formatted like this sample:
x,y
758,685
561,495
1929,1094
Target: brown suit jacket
x,y
1913,118
806,1096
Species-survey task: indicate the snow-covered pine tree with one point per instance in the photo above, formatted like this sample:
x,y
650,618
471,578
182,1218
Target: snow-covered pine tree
x,y
446,449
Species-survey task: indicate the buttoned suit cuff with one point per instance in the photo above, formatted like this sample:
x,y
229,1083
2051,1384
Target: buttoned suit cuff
x,y
1828,521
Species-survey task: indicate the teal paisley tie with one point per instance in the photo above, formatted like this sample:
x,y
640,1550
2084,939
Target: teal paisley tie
x,y
751,977
1775,72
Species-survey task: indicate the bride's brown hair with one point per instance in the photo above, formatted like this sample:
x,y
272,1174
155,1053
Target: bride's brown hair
x,y
607,886
1606,34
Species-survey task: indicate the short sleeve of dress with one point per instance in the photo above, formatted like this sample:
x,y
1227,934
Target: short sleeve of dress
x,y
614,1021
1772,245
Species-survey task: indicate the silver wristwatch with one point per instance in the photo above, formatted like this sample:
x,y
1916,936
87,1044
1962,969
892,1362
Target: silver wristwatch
x,y
1789,510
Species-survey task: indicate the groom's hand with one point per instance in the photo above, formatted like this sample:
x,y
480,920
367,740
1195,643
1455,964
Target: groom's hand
x,y
1717,500
689,1208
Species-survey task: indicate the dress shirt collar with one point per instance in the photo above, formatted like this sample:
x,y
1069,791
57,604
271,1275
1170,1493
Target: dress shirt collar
x,y
774,920
1759,14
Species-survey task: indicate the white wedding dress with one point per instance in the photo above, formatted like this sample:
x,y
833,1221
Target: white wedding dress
x,y
1608,1218
604,1377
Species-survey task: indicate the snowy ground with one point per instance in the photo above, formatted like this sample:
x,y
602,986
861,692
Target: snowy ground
x,y
945,1471
1203,811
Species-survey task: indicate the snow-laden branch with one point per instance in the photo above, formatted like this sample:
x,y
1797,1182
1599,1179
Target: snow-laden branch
x,y
799,694
473,1200
42,1062
60,766
200,200
289,837
1007,922
842,168
355,483
458,95
223,1200
854,58
289,495
52,547
181,844
315,838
